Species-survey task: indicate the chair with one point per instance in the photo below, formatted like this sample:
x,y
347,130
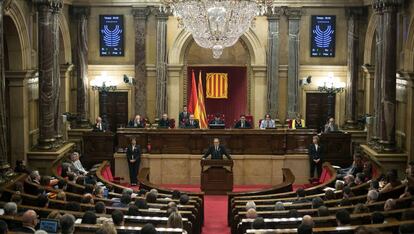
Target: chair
x,y
107,174
289,123
172,123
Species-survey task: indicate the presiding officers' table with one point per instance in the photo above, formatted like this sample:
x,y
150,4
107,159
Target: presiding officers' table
x,y
237,141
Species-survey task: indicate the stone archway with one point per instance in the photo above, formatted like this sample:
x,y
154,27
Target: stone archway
x,y
66,53
409,50
370,40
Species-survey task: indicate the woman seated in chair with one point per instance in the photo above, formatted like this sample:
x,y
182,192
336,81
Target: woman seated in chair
x,y
298,122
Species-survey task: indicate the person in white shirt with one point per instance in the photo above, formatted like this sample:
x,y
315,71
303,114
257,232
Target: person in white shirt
x,y
268,122
77,166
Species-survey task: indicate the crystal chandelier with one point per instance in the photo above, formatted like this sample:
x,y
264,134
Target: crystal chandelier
x,y
215,24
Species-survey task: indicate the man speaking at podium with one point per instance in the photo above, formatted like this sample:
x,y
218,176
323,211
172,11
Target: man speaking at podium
x,y
216,151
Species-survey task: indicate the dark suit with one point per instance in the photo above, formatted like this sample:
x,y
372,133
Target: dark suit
x,y
216,154
239,125
164,123
315,154
183,118
195,124
102,128
133,124
23,230
133,154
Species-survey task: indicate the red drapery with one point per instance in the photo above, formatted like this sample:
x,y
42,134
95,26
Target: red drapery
x,y
236,102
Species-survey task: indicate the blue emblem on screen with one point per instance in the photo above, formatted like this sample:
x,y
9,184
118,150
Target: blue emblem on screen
x,y
111,35
323,36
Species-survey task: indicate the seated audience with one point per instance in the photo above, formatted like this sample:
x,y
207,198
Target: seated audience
x,y
100,208
392,181
390,204
164,122
217,120
367,171
73,206
184,199
107,228
151,198
54,215
297,122
43,201
366,230
374,185
330,126
117,218
343,218
98,192
317,202
89,217
35,177
175,220
250,205
100,126
133,210
304,229
345,202
408,192
323,211
242,123
67,224
267,122
360,209
407,228
329,195
29,222
347,192
339,185
148,229
141,203
4,229
176,194
279,206
62,185
301,196
308,220
377,217
372,196
77,166
251,214
16,198
356,167
192,123
137,122
349,180
360,178
87,199
124,202
10,208
47,181
21,167
293,213
258,223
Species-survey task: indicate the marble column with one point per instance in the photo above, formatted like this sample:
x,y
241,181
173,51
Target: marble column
x,y
354,14
3,114
273,63
161,66
56,11
388,68
140,20
48,37
294,15
80,16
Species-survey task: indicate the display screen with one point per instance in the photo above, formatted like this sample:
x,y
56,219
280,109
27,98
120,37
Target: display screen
x,y
323,31
111,31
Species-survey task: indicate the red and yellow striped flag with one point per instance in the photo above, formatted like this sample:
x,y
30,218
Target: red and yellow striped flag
x,y
216,85
200,110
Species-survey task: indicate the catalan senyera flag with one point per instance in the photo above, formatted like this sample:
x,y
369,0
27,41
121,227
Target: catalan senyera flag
x,y
192,104
216,85
200,111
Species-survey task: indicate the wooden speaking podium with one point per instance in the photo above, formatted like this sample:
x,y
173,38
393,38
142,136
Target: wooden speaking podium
x,y
216,176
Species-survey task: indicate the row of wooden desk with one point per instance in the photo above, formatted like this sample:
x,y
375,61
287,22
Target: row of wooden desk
x,y
101,146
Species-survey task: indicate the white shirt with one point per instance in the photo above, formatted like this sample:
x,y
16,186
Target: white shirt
x,y
78,165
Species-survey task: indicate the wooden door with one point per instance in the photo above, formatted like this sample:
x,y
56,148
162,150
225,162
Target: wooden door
x,y
117,109
317,109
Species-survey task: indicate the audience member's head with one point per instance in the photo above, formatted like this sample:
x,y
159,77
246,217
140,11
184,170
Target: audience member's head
x,y
73,206
107,228
323,211
343,218
250,205
407,229
99,192
345,202
301,193
67,224
72,177
317,202
360,178
366,230
308,220
347,192
29,219
279,206
127,191
176,194
61,196
349,179
141,203
251,214
360,208
372,196
42,200
89,189
377,217
374,185
100,208
293,213
125,199
3,227
10,208
154,191
62,184
258,223
339,185
80,180
142,192
18,187
45,180
148,229
329,194
133,210
151,198
89,217
35,176
184,199
175,220
390,204
304,229
118,218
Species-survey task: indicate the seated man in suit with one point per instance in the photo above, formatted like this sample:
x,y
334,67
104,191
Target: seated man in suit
x,y
29,222
242,123
192,123
331,126
137,122
298,122
183,117
217,120
100,126
164,121
268,122
216,151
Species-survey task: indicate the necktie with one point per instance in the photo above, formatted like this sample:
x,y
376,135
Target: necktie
x,y
242,125
267,123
